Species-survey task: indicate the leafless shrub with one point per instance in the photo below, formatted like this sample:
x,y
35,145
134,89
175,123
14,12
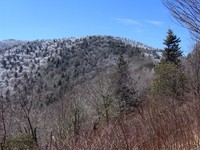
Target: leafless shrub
x,y
164,125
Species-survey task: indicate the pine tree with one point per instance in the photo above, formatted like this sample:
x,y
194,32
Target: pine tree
x,y
170,79
172,51
125,94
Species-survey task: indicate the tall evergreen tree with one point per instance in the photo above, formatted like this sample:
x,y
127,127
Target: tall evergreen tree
x,y
170,79
125,94
172,51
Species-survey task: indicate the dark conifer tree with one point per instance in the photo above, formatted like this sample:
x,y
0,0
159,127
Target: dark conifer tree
x,y
172,51
125,94
170,79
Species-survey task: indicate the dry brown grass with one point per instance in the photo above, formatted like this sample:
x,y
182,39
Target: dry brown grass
x,y
163,125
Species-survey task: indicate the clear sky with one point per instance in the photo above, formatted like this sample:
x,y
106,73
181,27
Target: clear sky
x,y
146,21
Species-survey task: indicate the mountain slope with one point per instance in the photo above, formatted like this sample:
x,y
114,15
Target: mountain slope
x,y
5,44
56,88
52,64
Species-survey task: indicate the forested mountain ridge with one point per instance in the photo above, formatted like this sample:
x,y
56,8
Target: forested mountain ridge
x,y
55,63
6,44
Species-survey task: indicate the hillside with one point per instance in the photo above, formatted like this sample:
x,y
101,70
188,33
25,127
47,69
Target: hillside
x,y
6,44
56,88
50,63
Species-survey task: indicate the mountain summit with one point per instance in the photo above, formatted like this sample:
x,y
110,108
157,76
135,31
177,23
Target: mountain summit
x,y
67,62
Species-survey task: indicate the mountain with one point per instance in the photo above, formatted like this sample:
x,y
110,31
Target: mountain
x,y
5,44
50,64
58,87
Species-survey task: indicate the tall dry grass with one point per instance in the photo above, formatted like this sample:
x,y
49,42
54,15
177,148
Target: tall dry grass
x,y
164,124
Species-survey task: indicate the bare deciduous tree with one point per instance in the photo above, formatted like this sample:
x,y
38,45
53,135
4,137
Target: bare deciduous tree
x,y
187,13
101,99
67,118
193,66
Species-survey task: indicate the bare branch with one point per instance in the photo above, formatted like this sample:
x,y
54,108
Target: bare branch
x,y
187,14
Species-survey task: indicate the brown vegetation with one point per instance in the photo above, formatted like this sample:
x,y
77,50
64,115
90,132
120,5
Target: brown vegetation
x,y
165,124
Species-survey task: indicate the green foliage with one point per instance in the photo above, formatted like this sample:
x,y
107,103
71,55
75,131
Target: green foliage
x,y
172,51
23,141
169,80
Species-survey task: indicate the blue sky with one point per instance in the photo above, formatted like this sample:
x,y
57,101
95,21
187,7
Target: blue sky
x,y
146,21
